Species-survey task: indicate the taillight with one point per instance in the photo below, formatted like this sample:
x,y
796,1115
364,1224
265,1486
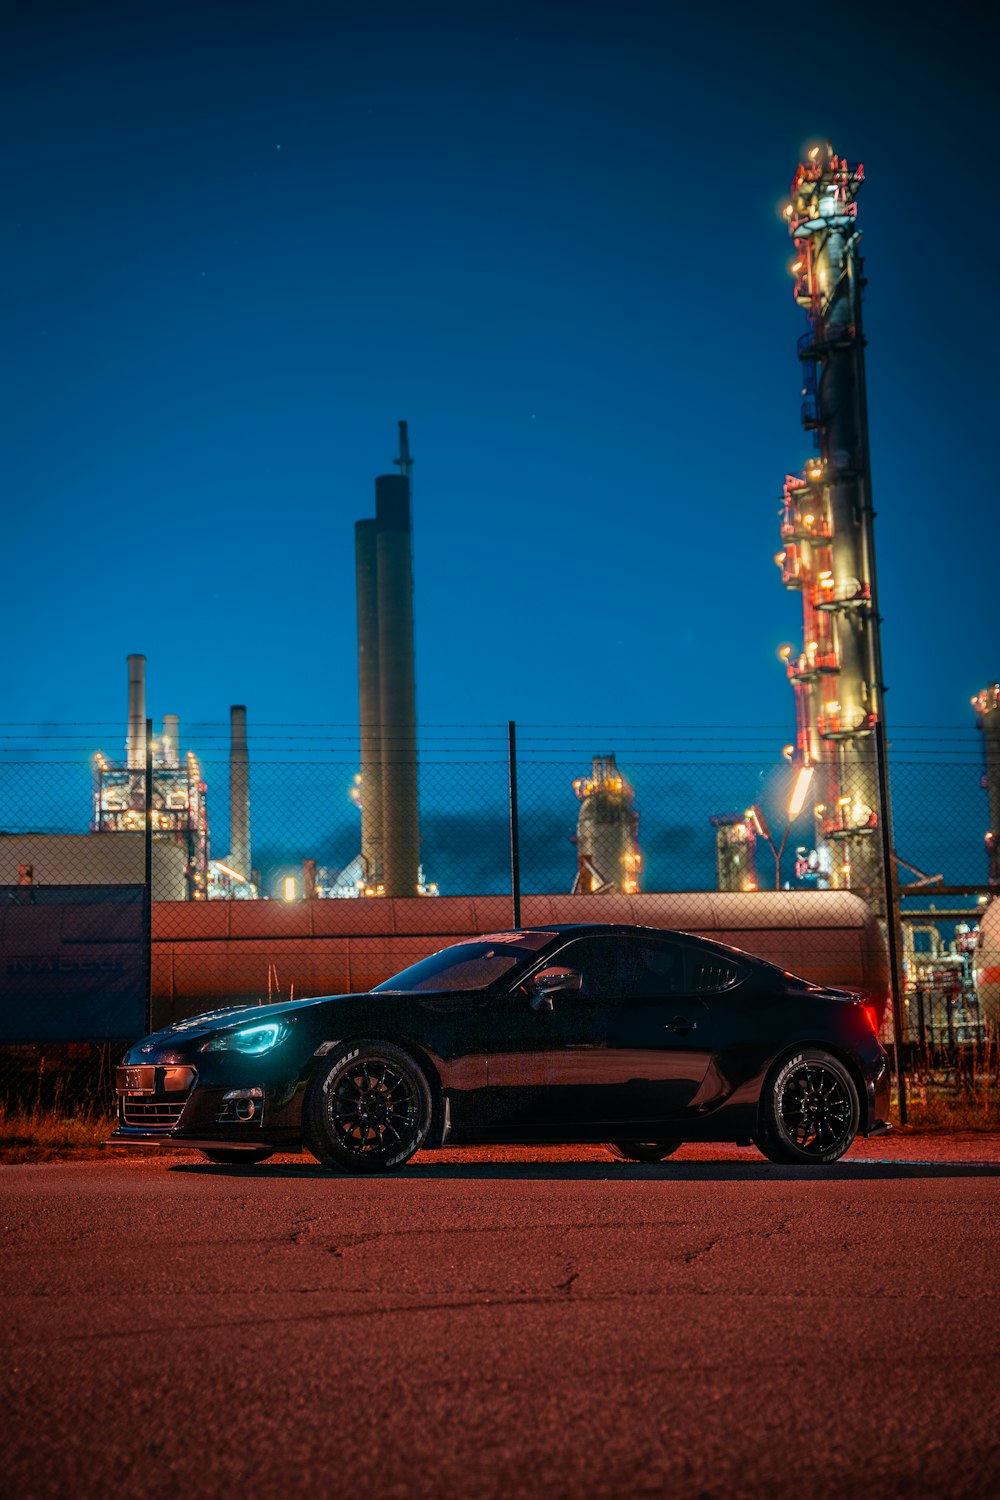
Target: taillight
x,y
871,1016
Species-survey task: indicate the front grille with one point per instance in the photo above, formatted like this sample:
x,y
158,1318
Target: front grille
x,y
160,1115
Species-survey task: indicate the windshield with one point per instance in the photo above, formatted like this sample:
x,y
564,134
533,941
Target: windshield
x,y
468,966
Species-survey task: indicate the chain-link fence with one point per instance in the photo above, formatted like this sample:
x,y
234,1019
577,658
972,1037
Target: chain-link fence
x,y
290,870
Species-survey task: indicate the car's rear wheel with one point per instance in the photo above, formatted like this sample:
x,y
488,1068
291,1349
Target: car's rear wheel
x,y
641,1150
233,1156
809,1110
367,1108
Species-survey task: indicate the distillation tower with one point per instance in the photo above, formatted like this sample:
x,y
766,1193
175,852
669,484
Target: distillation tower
x,y
987,706
607,852
826,532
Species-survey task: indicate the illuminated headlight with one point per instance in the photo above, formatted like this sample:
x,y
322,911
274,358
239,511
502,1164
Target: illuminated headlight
x,y
251,1040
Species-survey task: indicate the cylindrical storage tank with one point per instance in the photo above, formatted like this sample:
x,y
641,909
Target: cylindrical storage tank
x,y
397,690
239,793
369,710
135,743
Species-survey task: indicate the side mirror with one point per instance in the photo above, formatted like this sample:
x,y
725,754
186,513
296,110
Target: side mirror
x,y
553,981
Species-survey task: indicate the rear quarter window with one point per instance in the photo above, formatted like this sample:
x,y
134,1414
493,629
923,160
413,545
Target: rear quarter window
x,y
712,973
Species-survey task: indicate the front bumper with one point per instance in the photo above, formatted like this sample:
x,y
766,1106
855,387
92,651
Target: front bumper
x,y
147,1138
167,1104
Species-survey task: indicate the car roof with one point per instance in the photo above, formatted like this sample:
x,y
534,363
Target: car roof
x,y
611,929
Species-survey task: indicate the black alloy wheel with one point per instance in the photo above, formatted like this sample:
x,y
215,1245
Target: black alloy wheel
x,y
367,1108
809,1111
641,1150
232,1156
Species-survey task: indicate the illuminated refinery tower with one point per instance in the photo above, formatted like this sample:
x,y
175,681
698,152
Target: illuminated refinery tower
x,y
987,706
826,527
608,856
390,838
179,813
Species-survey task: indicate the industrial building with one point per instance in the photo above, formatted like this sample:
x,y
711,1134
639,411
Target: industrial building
x,y
180,811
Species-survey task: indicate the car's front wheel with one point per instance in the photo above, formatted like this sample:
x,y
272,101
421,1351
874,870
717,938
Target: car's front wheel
x,y
367,1108
641,1150
809,1110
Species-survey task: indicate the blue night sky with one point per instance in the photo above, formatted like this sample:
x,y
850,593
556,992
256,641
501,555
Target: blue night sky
x,y
242,241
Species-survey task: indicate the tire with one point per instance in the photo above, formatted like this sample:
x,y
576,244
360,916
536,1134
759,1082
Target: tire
x,y
367,1108
233,1157
641,1150
809,1110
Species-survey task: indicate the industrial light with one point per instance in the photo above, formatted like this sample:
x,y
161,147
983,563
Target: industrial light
x,y
814,153
798,797
288,888
756,816
784,652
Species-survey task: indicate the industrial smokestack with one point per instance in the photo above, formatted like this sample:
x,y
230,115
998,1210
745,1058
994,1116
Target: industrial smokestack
x,y
171,740
397,691
369,712
135,742
239,792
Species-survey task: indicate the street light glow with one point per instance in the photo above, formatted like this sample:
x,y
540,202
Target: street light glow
x,y
800,791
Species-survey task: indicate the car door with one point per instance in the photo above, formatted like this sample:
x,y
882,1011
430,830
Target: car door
x,y
552,1069
663,1033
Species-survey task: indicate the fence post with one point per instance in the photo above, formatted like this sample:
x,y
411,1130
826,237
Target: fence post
x,y
890,902
515,846
147,877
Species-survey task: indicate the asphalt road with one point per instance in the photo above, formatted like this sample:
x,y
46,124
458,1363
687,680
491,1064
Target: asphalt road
x,y
553,1324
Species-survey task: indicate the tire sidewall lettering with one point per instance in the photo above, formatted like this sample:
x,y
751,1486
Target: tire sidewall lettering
x,y
334,1073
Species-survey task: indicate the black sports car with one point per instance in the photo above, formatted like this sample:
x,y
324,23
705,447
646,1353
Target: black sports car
x,y
631,1036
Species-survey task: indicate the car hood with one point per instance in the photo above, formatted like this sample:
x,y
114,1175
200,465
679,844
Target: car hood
x,y
195,1028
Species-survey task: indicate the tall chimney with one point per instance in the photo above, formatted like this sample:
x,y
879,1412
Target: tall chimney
x,y
239,792
397,693
135,743
171,740
369,712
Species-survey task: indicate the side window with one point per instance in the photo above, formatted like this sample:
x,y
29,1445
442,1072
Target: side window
x,y
659,969
603,963
710,973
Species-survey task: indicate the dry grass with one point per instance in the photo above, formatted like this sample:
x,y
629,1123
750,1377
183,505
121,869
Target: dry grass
x,y
930,1107
50,1134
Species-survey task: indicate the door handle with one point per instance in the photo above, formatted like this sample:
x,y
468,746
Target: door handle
x,y
681,1024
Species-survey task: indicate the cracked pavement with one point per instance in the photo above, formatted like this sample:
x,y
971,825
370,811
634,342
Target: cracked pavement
x,y
502,1324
